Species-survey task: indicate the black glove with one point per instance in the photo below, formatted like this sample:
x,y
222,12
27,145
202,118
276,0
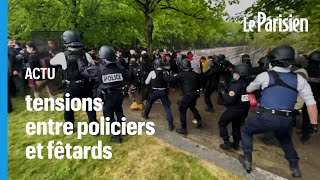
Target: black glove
x,y
314,127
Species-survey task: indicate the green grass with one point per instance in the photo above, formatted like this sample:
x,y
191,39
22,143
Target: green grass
x,y
139,157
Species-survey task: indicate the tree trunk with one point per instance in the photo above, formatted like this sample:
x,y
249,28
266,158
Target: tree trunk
x,y
148,25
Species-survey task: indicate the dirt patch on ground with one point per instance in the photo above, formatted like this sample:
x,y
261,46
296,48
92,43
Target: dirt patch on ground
x,y
267,153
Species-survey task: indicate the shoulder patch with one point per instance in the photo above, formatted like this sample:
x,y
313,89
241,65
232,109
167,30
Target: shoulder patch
x,y
231,93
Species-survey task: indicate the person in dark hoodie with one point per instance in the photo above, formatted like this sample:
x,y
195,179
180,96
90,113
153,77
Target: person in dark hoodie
x,y
17,70
121,59
35,62
135,76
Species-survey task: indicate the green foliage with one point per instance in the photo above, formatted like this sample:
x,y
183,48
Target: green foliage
x,y
180,23
309,9
304,42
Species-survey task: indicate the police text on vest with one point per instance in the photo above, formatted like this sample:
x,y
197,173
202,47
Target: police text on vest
x,y
109,78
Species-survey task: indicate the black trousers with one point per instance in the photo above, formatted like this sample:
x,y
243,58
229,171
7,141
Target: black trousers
x,y
207,95
113,106
20,85
188,101
9,102
79,92
236,117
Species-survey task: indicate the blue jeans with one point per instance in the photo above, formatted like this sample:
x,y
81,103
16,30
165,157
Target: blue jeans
x,y
163,96
281,126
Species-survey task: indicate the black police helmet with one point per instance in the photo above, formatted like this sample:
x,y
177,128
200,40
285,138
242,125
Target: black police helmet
x,y
243,69
107,54
245,56
71,39
264,63
158,63
186,65
216,60
222,57
315,55
263,60
246,61
282,56
301,62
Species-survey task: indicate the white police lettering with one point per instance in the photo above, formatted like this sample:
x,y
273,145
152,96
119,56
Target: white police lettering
x,y
109,78
245,98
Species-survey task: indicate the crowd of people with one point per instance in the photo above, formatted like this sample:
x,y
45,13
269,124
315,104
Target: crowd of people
x,y
284,85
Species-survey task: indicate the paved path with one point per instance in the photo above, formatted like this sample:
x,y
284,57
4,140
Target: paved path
x,y
217,158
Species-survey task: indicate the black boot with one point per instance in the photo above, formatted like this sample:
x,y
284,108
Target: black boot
x,y
305,139
144,116
116,139
171,127
295,170
199,124
182,131
227,146
246,161
236,146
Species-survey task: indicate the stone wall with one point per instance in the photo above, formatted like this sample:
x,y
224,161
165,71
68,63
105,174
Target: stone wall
x,y
232,53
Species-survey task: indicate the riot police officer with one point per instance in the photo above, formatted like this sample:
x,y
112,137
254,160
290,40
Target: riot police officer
x,y
313,70
237,102
112,88
159,78
212,77
111,77
190,85
280,88
76,85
